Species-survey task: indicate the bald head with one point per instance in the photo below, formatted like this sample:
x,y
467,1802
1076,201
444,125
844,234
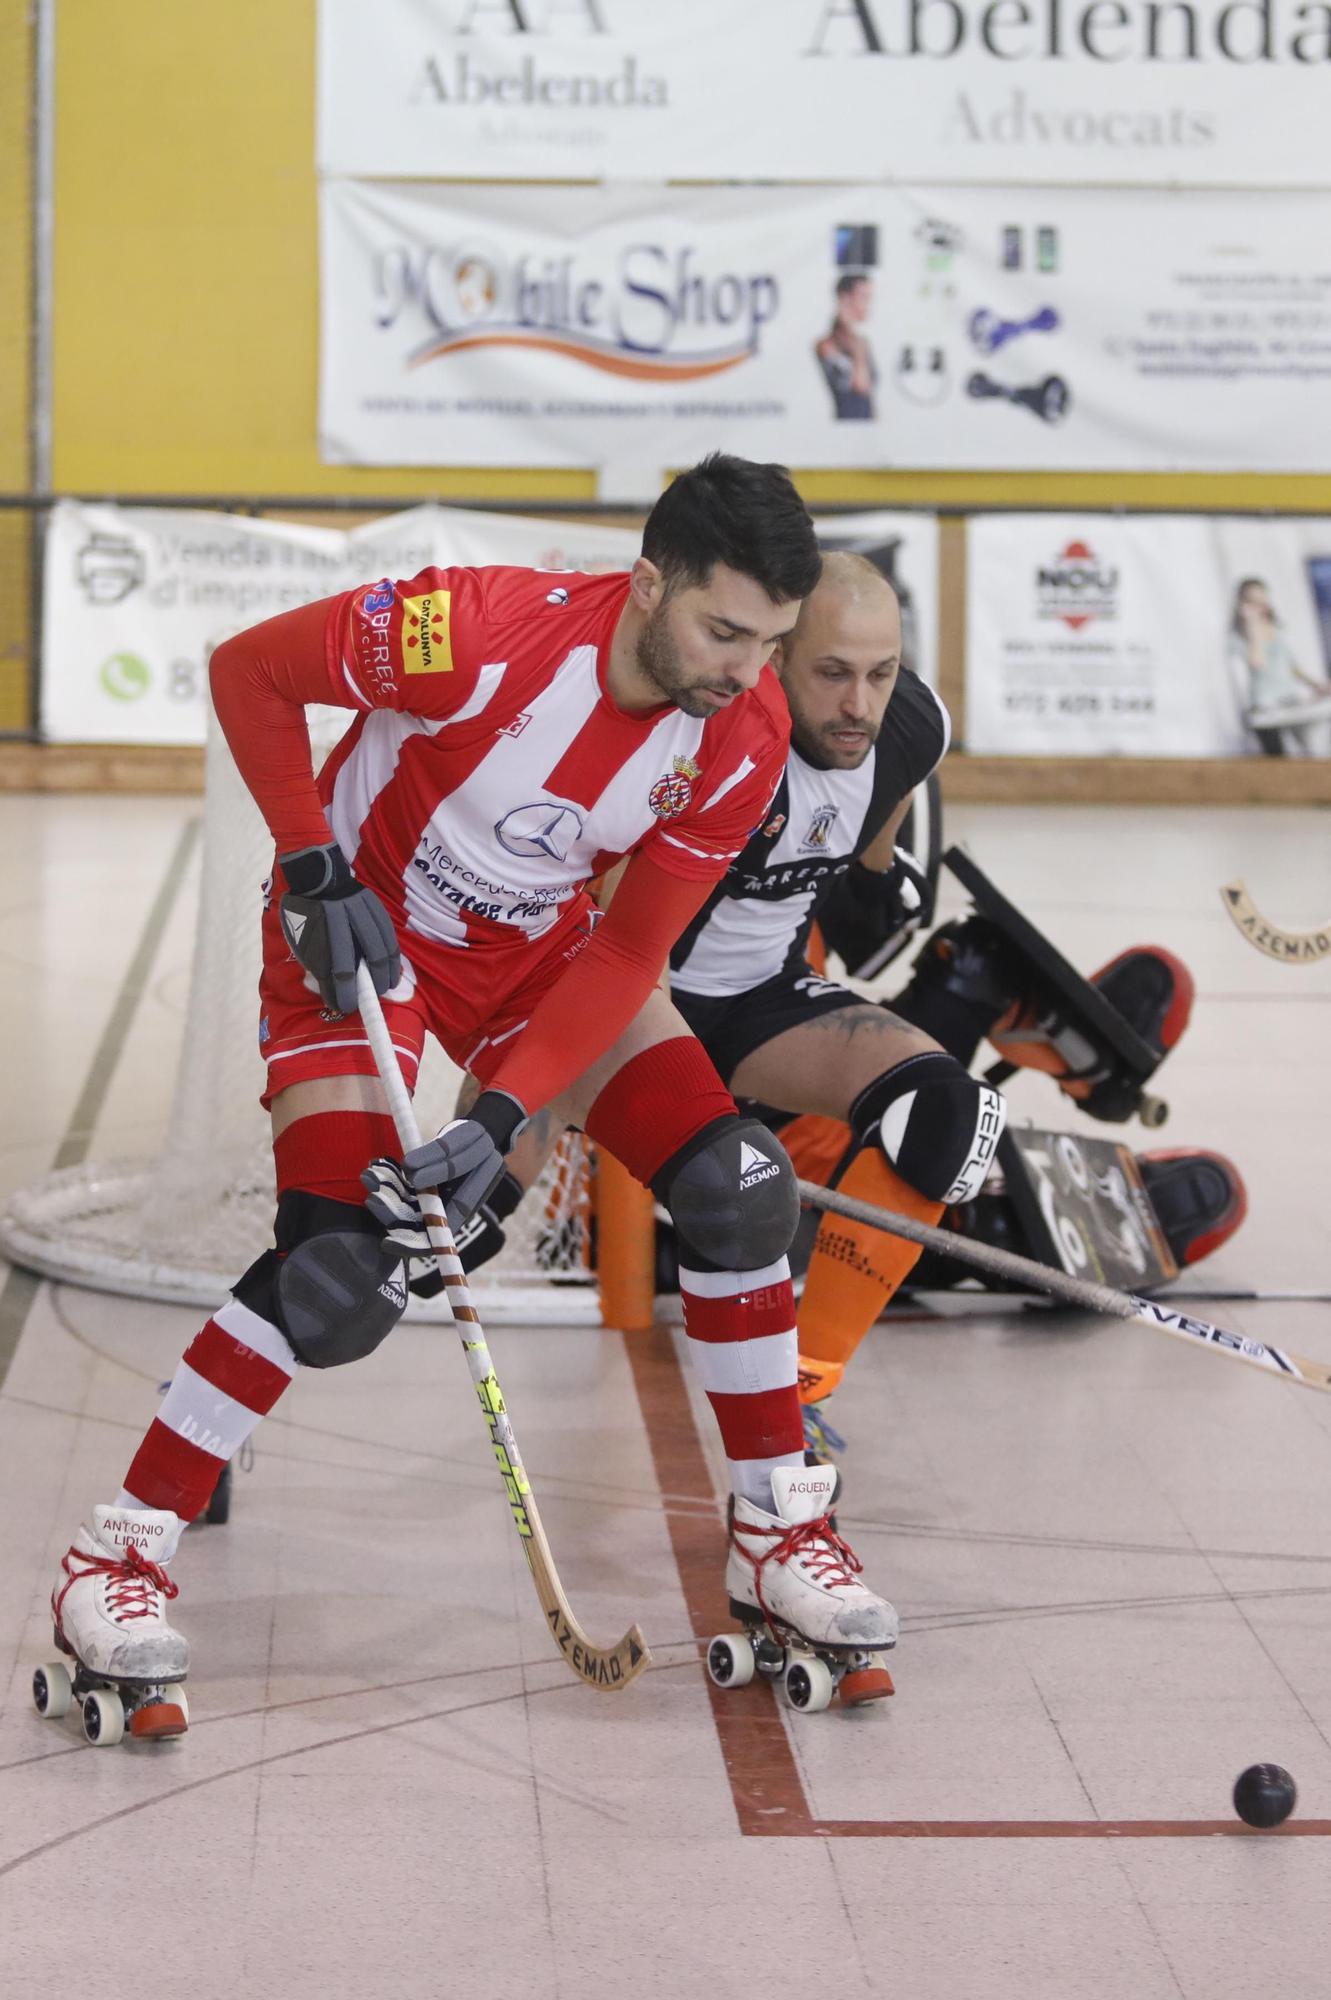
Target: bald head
x,y
839,665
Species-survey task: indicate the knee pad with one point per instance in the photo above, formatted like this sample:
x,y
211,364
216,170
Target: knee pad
x,y
330,1285
938,1126
731,1195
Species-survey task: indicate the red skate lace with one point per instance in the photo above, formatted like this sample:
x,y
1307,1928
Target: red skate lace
x,y
830,1561
137,1581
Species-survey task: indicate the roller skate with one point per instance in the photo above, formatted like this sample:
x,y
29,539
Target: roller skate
x,y
808,1622
121,1661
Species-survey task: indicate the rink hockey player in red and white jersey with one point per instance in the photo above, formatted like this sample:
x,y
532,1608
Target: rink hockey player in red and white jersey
x,y
515,733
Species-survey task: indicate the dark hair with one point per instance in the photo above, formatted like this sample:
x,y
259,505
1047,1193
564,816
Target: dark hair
x,y
1247,583
848,280
732,511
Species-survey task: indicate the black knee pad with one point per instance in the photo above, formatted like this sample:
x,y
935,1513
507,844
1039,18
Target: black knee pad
x,y
732,1196
330,1285
938,1126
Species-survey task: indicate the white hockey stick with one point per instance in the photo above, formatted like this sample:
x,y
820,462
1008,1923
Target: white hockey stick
x,y
606,1667
1078,1291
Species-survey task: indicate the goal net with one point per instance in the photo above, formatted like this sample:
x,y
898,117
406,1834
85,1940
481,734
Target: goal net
x,y
182,1226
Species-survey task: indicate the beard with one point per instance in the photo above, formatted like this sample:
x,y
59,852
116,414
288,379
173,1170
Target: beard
x,y
817,745
657,658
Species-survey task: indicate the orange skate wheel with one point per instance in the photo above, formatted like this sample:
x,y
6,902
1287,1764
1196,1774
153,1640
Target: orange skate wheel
x,y
863,1684
158,1718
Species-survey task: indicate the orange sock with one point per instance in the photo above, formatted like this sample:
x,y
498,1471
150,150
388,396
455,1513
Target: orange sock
x,y
855,1269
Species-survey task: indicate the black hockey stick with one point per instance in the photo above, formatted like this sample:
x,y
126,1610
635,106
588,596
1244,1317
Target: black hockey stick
x,y
1077,1291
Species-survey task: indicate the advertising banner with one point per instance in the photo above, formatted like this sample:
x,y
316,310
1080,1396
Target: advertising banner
x,y
633,330
1099,92
1096,635
136,598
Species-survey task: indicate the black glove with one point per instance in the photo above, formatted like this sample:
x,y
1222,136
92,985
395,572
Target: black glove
x,y
869,909
466,1159
332,922
394,1204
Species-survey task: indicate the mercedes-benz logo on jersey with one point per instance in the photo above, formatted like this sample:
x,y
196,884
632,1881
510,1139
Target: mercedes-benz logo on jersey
x,y
543,829
820,829
557,596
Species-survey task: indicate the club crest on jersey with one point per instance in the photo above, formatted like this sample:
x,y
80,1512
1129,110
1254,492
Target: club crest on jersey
x,y
817,839
426,648
671,793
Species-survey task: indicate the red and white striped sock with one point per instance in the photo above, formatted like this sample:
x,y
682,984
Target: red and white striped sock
x,y
741,1330
231,1374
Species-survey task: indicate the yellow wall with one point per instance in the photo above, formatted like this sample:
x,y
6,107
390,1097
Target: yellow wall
x,y
15,336
186,344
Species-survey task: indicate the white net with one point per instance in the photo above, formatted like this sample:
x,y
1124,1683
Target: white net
x,y
183,1226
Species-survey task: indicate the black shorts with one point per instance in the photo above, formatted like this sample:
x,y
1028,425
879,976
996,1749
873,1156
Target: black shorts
x,y
731,1026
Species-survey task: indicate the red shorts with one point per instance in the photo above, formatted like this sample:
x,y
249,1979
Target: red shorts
x,y
474,1001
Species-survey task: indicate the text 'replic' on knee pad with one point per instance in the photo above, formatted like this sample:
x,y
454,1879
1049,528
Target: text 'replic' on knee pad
x,y
938,1126
732,1196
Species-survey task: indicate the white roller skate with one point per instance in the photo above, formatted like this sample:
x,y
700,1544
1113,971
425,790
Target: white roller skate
x,y
129,1666
794,1585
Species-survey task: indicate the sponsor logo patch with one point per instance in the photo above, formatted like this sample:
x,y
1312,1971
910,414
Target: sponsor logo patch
x,y
541,829
425,641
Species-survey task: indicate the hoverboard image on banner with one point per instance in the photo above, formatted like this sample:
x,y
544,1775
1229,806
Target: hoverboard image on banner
x,y
1050,400
990,332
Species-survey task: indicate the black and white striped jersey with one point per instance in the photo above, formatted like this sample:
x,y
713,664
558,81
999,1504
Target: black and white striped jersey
x,y
756,921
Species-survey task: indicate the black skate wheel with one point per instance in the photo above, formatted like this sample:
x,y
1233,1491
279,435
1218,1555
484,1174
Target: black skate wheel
x,y
730,1660
808,1685
52,1690
103,1718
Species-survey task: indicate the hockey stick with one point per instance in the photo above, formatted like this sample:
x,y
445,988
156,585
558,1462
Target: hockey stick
x,y
606,1667
1078,1291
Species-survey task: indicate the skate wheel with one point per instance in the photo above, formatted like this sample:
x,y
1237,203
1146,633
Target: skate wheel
x,y
863,1684
158,1718
808,1685
103,1717
52,1690
176,1694
730,1660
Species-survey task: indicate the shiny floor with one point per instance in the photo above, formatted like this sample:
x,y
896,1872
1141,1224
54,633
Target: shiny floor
x,y
1112,1556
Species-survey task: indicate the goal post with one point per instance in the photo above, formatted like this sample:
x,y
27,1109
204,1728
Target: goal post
x,y
182,1225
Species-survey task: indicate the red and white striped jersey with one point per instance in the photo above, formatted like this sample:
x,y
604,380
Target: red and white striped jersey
x,y
490,775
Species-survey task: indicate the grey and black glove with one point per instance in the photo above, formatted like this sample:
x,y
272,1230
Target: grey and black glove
x,y
465,1160
870,914
394,1204
332,922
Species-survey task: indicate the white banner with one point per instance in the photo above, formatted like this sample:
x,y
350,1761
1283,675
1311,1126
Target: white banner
x,y
1096,635
136,598
1109,92
636,329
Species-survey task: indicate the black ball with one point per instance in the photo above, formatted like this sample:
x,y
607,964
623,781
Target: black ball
x,y
1264,1794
